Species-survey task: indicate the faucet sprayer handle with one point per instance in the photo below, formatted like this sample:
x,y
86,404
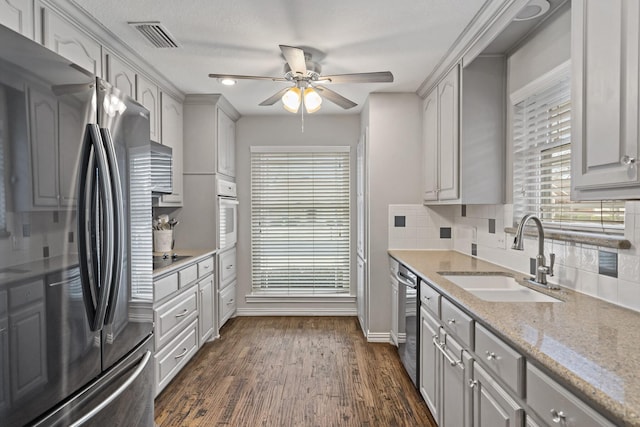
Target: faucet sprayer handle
x,y
552,262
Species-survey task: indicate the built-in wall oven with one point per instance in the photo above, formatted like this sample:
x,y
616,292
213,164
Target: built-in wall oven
x,y
227,214
408,313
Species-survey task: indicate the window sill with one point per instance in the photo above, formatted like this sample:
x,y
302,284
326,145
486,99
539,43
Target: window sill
x,y
299,298
595,239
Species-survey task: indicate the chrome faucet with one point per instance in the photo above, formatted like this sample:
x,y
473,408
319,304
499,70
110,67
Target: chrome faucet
x,y
541,269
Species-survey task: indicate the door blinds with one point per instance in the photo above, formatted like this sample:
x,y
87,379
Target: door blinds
x,y
542,164
300,220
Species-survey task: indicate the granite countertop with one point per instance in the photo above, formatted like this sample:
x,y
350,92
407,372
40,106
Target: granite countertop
x,y
193,254
588,344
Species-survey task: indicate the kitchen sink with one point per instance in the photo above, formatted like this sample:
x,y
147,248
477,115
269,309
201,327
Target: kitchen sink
x,y
498,288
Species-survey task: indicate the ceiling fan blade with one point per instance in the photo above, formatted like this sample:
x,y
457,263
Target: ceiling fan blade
x,y
376,77
274,98
334,97
295,59
237,77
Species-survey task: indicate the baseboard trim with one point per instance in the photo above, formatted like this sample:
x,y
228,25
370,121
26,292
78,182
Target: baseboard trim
x,y
382,337
286,311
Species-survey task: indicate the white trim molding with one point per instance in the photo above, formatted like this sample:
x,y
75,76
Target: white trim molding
x,y
381,337
295,311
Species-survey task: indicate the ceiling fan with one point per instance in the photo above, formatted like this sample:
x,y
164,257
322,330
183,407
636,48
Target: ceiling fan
x,y
307,82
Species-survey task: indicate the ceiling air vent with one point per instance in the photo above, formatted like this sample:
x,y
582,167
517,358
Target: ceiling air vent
x,y
155,33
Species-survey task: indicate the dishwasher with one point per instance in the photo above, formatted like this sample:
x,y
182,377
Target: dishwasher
x,y
408,312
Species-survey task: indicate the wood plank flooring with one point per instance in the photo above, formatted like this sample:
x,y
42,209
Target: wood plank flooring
x,y
292,371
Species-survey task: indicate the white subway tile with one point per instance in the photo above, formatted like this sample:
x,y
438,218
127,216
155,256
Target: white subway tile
x,y
629,267
587,283
629,294
608,288
588,259
567,276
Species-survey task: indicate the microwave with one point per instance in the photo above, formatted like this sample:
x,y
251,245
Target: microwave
x,y
161,169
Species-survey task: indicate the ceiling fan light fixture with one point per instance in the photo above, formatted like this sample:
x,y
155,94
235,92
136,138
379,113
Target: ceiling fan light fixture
x,y
312,100
228,81
291,100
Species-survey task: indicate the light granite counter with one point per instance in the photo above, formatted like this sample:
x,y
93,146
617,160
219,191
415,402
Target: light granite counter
x,y
591,346
193,254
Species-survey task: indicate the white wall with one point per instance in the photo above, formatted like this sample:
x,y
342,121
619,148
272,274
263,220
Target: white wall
x,y
325,130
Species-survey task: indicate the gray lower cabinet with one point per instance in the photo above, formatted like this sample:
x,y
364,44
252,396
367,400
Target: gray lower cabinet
x,y
429,363
556,405
445,372
492,405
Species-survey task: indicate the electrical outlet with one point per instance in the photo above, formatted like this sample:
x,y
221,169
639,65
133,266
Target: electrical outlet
x,y
501,242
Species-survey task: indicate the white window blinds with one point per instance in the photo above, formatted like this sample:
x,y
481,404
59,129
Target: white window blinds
x,y
542,164
300,220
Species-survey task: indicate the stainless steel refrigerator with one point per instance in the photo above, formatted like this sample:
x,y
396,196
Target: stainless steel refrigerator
x,y
75,245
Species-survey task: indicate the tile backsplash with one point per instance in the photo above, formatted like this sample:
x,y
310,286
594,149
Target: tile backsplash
x,y
478,230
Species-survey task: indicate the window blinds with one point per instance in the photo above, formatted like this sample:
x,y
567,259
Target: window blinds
x,y
542,164
300,220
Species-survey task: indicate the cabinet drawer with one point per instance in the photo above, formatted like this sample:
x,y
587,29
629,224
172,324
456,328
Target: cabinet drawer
x,y
550,400
430,298
188,275
501,359
171,359
172,315
227,266
457,322
26,294
165,287
227,302
205,267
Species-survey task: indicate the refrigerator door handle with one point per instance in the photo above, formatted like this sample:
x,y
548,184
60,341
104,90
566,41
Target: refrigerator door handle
x,y
95,296
118,226
134,375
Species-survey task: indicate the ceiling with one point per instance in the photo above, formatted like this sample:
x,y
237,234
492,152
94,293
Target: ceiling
x,y
406,37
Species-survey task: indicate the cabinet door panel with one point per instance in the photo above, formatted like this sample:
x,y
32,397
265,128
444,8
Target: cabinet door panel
x,y
71,128
17,15
206,311
28,350
604,105
448,101
492,406
430,364
43,110
4,363
147,95
430,146
172,136
63,38
121,76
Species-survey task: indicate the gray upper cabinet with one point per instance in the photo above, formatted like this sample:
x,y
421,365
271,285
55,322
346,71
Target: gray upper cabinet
x,y
18,15
226,144
71,42
148,95
172,125
464,135
605,104
121,75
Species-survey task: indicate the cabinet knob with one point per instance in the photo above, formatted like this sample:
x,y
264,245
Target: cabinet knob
x,y
627,160
491,355
472,383
451,321
558,417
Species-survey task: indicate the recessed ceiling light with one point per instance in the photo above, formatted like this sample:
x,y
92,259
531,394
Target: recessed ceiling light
x,y
227,81
532,10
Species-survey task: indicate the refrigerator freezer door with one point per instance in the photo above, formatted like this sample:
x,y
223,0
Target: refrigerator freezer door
x,y
124,127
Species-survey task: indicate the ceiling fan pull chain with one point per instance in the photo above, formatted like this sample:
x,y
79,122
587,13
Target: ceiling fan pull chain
x,y
302,115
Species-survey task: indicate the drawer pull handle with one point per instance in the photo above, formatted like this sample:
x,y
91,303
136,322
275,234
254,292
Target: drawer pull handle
x,y
558,417
206,267
181,355
2,330
472,383
184,313
491,355
427,298
441,348
229,267
451,321
230,302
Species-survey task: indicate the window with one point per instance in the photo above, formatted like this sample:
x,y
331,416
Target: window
x,y
300,220
542,164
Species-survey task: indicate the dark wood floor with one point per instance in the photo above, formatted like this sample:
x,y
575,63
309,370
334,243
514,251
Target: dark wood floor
x,y
292,371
